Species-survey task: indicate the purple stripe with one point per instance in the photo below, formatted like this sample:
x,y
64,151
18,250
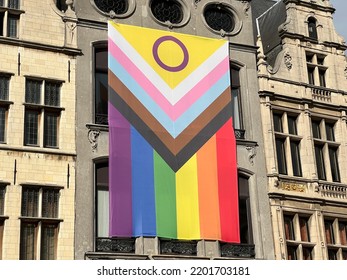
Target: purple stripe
x,y
119,174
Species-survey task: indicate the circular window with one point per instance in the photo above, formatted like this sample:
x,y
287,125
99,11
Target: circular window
x,y
167,11
221,18
119,7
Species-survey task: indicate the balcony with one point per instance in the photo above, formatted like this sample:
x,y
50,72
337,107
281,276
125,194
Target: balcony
x,y
321,94
330,190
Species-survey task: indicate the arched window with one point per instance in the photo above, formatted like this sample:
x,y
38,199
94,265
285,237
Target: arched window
x,y
312,28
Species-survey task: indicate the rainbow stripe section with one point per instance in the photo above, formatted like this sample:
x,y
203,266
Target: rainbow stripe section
x,y
147,198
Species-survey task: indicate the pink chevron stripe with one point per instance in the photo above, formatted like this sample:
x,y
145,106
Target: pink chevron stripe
x,y
173,111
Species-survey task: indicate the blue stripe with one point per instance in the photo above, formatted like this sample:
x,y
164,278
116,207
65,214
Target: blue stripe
x,y
173,127
143,197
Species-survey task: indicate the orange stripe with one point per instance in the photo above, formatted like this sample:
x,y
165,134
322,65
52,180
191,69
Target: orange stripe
x,y
208,191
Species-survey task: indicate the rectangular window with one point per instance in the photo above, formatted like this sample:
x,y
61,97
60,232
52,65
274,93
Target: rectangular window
x,y
289,227
343,233
316,129
307,253
295,153
292,125
318,149
52,94
329,232
33,92
30,202
50,203
292,252
31,127
28,241
101,85
321,73
51,130
304,229
278,123
281,156
2,124
2,16
329,129
310,72
334,164
12,26
4,87
13,4
2,200
48,242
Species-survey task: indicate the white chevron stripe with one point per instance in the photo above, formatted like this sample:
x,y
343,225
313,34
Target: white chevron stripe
x,y
172,95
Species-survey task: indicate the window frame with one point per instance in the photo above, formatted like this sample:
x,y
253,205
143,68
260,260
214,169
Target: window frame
x,y
10,12
316,69
335,238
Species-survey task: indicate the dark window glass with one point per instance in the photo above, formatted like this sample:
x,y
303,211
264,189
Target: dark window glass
x,y
4,87
31,127
2,15
344,255
168,10
292,125
316,129
30,200
295,153
343,233
245,218
289,227
334,164
1,3
322,78
309,58
13,4
307,253
118,6
52,94
219,17
236,98
312,29
329,232
61,5
2,200
51,129
304,230
320,60
12,26
291,251
281,156
48,241
101,86
27,241
332,254
50,203
310,72
320,162
278,122
33,91
329,128
2,124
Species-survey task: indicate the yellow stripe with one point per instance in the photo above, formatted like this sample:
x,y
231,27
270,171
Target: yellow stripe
x,y
187,201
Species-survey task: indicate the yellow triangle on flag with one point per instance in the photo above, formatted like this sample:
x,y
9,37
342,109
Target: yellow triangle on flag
x,y
172,55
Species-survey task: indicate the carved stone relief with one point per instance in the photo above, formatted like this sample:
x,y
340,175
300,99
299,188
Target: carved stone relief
x,y
93,136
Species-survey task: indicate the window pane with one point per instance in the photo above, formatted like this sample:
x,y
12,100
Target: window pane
x,y
278,122
27,241
332,254
102,199
334,164
13,4
304,231
245,219
291,251
320,162
4,83
33,92
289,227
292,125
30,199
1,3
50,203
2,124
343,233
307,253
322,78
101,86
344,255
310,72
31,127
12,26
2,200
236,108
329,128
48,242
312,29
52,94
329,233
295,153
2,15
316,129
281,156
51,130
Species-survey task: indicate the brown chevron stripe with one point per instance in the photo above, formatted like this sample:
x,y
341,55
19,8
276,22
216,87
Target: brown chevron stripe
x,y
174,145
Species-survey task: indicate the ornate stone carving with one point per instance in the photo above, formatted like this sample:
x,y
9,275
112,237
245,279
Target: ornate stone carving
x,y
246,7
115,245
196,3
93,138
290,186
288,60
345,71
252,152
174,247
237,250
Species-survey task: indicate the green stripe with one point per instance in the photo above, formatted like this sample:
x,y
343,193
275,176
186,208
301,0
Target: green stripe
x,y
165,198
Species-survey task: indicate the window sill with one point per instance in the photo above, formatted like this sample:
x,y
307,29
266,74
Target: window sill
x,y
40,219
41,106
93,126
3,218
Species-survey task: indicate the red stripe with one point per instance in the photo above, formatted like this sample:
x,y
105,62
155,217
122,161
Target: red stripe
x,y
227,184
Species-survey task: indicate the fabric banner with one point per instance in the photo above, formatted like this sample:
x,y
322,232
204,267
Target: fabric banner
x,y
172,162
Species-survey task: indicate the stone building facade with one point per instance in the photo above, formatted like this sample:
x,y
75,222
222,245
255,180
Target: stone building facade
x,y
302,89
37,131
228,19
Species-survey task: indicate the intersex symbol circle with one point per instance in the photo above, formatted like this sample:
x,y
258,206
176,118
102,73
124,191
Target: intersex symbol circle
x,y
165,66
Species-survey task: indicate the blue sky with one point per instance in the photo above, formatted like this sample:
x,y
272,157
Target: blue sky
x,y
340,16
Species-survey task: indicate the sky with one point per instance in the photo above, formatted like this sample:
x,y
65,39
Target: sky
x,y
339,16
